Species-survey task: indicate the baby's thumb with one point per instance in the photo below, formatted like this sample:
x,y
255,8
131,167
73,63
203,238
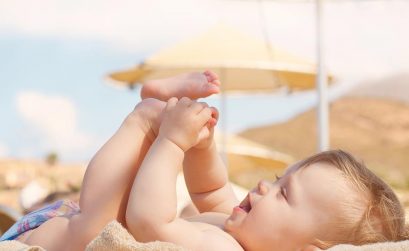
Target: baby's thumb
x,y
204,133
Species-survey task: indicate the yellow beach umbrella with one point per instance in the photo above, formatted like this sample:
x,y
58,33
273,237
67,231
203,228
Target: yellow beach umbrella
x,y
243,63
256,152
249,161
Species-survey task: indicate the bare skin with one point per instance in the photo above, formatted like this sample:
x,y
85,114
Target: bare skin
x,y
110,174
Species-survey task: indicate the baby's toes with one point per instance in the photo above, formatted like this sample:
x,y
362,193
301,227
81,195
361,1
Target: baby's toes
x,y
212,77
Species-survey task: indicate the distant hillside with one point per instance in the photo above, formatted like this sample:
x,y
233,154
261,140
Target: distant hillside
x,y
58,179
375,129
394,87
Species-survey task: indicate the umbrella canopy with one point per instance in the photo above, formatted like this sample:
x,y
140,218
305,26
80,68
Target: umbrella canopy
x,y
242,62
260,155
249,161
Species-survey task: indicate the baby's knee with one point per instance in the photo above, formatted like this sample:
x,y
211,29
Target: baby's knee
x,y
148,113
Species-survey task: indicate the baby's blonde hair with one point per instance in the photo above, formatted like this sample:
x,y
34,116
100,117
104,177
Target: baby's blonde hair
x,y
374,214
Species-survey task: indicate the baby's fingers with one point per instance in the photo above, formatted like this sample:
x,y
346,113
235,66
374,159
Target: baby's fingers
x,y
171,103
215,116
198,106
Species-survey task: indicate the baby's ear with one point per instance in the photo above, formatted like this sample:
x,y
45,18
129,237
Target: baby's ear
x,y
310,247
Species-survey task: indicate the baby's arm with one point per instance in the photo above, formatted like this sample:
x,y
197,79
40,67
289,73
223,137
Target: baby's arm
x,y
206,177
151,210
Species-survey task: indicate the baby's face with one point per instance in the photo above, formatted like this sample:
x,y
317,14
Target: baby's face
x,y
290,212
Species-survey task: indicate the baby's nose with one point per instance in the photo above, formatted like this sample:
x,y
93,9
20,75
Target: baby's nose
x,y
263,187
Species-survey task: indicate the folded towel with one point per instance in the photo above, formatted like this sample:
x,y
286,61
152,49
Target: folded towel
x,y
115,237
382,246
18,246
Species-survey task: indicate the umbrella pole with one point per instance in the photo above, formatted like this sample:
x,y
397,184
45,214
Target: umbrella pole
x,y
223,109
321,82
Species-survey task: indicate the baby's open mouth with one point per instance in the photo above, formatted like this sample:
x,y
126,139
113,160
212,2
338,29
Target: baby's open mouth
x,y
245,204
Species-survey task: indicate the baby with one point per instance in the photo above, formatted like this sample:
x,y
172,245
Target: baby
x,y
327,199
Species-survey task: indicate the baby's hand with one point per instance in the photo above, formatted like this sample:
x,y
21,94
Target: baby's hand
x,y
184,122
205,143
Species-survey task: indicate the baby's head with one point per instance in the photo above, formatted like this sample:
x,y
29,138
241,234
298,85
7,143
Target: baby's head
x,y
324,200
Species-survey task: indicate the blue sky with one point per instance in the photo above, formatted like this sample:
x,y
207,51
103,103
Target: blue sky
x,y
39,73
55,55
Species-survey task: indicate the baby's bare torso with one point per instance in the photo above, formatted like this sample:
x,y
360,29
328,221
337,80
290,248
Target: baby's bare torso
x,y
212,225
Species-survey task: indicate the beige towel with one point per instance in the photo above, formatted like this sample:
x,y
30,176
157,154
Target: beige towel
x,y
18,246
116,237
383,246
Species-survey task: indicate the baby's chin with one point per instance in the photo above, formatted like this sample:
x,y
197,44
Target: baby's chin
x,y
234,229
230,227
235,219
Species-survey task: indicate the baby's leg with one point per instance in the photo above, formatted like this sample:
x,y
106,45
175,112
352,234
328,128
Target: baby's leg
x,y
192,85
112,170
106,184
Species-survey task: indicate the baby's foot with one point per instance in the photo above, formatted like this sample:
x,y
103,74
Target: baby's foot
x,y
148,113
192,85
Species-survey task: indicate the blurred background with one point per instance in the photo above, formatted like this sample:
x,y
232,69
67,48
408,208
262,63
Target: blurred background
x,y
69,74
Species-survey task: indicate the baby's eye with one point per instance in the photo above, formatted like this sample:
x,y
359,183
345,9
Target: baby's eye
x,y
278,177
283,191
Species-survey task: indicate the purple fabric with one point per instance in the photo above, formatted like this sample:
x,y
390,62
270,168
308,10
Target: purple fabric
x,y
34,219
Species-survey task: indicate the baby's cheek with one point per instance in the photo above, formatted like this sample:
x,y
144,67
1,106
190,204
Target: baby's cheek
x,y
280,218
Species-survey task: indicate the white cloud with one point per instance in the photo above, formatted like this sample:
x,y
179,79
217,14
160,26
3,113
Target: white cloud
x,y
4,151
54,120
